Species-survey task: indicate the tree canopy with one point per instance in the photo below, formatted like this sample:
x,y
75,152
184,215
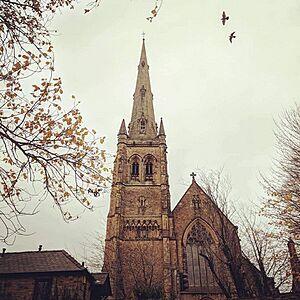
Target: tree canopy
x,y
45,149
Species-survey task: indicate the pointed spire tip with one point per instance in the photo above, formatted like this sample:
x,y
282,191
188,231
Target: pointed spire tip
x,y
161,128
122,128
142,124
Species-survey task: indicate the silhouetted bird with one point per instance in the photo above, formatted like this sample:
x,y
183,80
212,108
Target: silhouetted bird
x,y
224,18
232,36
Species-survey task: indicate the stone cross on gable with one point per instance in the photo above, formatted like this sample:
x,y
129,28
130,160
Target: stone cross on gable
x,y
193,175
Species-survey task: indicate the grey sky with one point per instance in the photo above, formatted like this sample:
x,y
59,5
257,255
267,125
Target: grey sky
x,y
217,99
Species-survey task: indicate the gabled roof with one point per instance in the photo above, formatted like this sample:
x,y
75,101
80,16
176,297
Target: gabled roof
x,y
194,183
38,261
191,185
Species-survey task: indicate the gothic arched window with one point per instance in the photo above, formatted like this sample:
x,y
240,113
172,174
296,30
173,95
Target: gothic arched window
x,y
199,253
149,169
149,166
135,167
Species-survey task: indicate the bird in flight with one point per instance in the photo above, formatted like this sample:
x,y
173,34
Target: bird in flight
x,y
224,18
232,36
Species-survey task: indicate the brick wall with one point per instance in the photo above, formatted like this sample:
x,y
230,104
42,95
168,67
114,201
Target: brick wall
x,y
62,287
21,288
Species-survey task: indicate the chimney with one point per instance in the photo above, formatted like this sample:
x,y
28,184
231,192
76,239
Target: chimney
x,y
82,263
40,247
3,251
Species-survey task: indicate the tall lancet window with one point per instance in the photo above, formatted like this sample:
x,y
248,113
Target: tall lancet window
x,y
199,252
135,169
148,167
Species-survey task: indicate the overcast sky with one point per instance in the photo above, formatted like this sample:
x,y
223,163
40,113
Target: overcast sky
x,y
218,100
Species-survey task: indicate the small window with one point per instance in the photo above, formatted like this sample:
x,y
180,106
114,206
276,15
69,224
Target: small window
x,y
142,201
42,289
143,125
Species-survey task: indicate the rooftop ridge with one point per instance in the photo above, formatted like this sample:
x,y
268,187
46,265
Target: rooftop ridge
x,y
72,259
33,251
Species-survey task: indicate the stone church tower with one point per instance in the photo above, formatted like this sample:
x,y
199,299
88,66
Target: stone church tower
x,y
139,223
151,252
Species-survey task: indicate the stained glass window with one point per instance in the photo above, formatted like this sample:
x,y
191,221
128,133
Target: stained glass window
x,y
198,251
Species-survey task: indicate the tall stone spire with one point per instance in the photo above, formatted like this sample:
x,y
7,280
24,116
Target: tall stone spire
x,y
140,212
142,125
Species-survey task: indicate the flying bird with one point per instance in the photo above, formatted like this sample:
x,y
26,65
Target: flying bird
x,y
224,18
232,36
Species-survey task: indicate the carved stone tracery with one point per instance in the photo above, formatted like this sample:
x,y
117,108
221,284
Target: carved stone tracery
x,y
139,224
199,236
143,229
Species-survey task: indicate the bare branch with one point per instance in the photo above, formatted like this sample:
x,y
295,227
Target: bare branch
x,y
282,203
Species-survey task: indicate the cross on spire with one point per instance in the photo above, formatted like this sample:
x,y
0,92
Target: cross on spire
x,y
143,34
193,175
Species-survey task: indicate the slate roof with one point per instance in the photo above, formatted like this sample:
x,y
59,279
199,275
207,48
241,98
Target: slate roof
x,y
38,261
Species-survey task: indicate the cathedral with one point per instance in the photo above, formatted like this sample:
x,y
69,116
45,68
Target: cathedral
x,y
153,252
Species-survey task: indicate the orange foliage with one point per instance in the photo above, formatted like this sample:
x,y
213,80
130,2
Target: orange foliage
x,y
45,151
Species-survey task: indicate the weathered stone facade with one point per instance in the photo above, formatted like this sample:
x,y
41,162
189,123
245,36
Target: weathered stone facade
x,y
192,252
140,220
